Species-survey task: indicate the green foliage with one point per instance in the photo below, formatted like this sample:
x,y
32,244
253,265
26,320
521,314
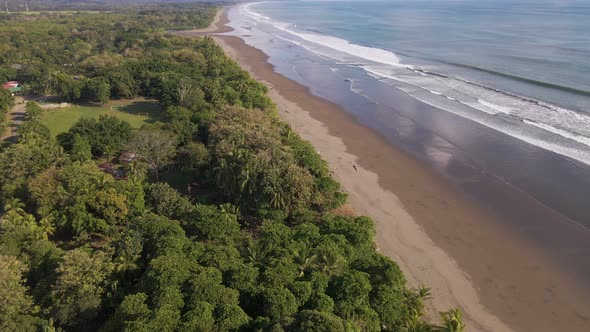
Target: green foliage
x,y
24,160
278,302
33,127
210,223
6,103
18,309
81,149
98,90
166,201
192,156
33,111
317,321
253,246
250,161
77,292
451,321
106,136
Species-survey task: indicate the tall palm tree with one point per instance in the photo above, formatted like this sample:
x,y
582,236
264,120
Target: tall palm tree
x,y
14,204
304,259
254,253
46,228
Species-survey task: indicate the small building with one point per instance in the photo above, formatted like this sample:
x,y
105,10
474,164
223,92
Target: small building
x,y
13,86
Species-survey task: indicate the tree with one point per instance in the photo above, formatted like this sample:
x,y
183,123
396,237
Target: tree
x,y
316,321
199,318
154,147
389,303
279,302
167,201
230,317
6,100
33,127
66,86
6,103
109,205
33,111
207,222
132,314
98,89
18,310
106,136
81,150
251,165
80,285
192,156
181,124
305,259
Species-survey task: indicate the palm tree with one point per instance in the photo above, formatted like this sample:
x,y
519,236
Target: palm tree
x,y
329,263
231,209
304,259
229,212
60,156
14,204
46,228
416,324
136,171
423,293
254,253
415,299
451,321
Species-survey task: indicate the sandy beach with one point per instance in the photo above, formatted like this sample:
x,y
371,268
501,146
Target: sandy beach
x,y
438,235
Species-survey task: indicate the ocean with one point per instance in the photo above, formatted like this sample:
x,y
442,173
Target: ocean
x,y
497,89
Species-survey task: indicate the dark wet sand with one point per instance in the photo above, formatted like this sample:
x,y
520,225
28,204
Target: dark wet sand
x,y
526,285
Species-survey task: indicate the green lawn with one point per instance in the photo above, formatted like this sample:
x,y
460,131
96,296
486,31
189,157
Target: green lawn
x,y
137,112
60,12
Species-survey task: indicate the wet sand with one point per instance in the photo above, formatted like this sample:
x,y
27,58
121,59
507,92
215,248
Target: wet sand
x,y
440,237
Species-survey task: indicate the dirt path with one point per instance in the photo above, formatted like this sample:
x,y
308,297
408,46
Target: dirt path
x,y
15,118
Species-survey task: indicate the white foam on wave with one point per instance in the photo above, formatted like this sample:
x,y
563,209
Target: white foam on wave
x,y
344,46
337,44
247,9
496,108
462,109
578,154
563,122
560,132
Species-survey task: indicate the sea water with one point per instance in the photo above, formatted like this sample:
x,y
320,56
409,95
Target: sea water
x,y
521,67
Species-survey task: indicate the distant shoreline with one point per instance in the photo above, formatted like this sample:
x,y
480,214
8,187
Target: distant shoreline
x,y
417,213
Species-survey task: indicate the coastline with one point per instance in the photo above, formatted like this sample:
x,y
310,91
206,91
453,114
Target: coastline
x,y
439,237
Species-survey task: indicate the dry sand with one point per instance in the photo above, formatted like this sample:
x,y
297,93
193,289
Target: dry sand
x,y
499,283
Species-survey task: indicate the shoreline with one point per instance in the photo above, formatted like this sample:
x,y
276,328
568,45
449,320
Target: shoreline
x,y
439,236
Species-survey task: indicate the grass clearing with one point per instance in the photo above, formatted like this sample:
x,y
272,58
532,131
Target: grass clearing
x,y
69,12
137,112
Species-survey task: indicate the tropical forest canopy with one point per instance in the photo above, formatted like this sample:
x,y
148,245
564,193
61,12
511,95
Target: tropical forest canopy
x,y
219,218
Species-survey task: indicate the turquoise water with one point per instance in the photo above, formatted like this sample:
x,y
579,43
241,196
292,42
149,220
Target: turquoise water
x,y
519,67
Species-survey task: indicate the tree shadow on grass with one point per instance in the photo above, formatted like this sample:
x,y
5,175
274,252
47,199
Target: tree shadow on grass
x,y
148,108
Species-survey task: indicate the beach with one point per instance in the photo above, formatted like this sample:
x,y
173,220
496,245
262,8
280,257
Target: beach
x,y
441,237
